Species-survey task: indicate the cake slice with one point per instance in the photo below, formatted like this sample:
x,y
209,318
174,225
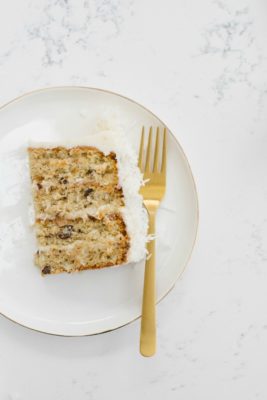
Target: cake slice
x,y
80,210
88,210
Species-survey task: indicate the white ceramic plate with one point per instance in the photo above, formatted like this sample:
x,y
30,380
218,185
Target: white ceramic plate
x,y
88,302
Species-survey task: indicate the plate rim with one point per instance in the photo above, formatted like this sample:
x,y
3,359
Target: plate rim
x,y
71,87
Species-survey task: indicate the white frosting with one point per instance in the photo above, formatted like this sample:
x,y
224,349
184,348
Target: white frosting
x,y
130,179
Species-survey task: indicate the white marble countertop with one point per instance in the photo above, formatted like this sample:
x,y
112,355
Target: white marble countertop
x,y
202,67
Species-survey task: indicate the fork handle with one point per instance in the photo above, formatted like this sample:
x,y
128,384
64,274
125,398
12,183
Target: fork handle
x,y
148,319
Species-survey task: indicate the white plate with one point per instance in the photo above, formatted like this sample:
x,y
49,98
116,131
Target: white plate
x,y
88,302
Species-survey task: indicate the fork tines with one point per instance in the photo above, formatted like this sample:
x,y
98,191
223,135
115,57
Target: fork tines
x,y
155,151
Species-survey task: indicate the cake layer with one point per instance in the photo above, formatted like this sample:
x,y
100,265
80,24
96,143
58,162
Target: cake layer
x,y
81,255
60,166
95,231
73,201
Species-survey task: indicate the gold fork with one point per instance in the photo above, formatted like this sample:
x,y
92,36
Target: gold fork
x,y
152,192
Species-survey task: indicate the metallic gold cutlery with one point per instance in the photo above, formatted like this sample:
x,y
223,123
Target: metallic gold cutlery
x,y
153,166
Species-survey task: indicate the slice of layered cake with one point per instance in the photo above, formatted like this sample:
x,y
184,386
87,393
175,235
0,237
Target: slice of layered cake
x,y
83,215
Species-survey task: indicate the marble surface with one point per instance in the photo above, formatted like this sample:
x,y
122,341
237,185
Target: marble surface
x,y
202,67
